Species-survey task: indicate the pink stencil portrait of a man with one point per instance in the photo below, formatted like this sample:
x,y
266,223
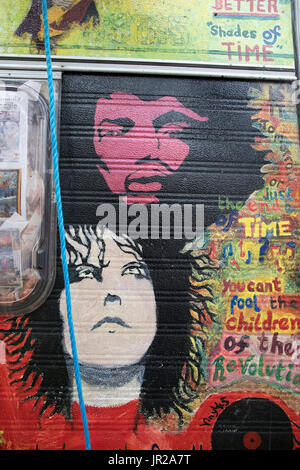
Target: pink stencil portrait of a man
x,y
140,143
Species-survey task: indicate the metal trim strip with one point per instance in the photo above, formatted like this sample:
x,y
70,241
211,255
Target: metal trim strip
x,y
149,68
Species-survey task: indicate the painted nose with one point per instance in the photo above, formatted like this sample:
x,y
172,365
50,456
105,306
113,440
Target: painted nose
x,y
112,298
146,147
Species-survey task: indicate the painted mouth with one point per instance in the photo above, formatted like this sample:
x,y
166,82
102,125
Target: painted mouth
x,y
111,320
140,181
144,186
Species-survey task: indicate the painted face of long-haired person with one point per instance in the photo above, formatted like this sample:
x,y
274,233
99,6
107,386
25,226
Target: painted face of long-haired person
x,y
113,303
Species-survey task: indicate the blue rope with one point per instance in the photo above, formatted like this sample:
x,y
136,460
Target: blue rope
x,y
61,224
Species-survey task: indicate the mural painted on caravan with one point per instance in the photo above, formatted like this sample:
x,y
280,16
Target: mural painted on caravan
x,y
182,334
256,32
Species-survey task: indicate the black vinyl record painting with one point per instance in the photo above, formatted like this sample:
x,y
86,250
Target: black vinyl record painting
x,y
252,424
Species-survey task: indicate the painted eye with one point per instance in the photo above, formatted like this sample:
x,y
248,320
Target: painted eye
x,y
85,273
171,133
110,130
174,128
139,271
114,127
